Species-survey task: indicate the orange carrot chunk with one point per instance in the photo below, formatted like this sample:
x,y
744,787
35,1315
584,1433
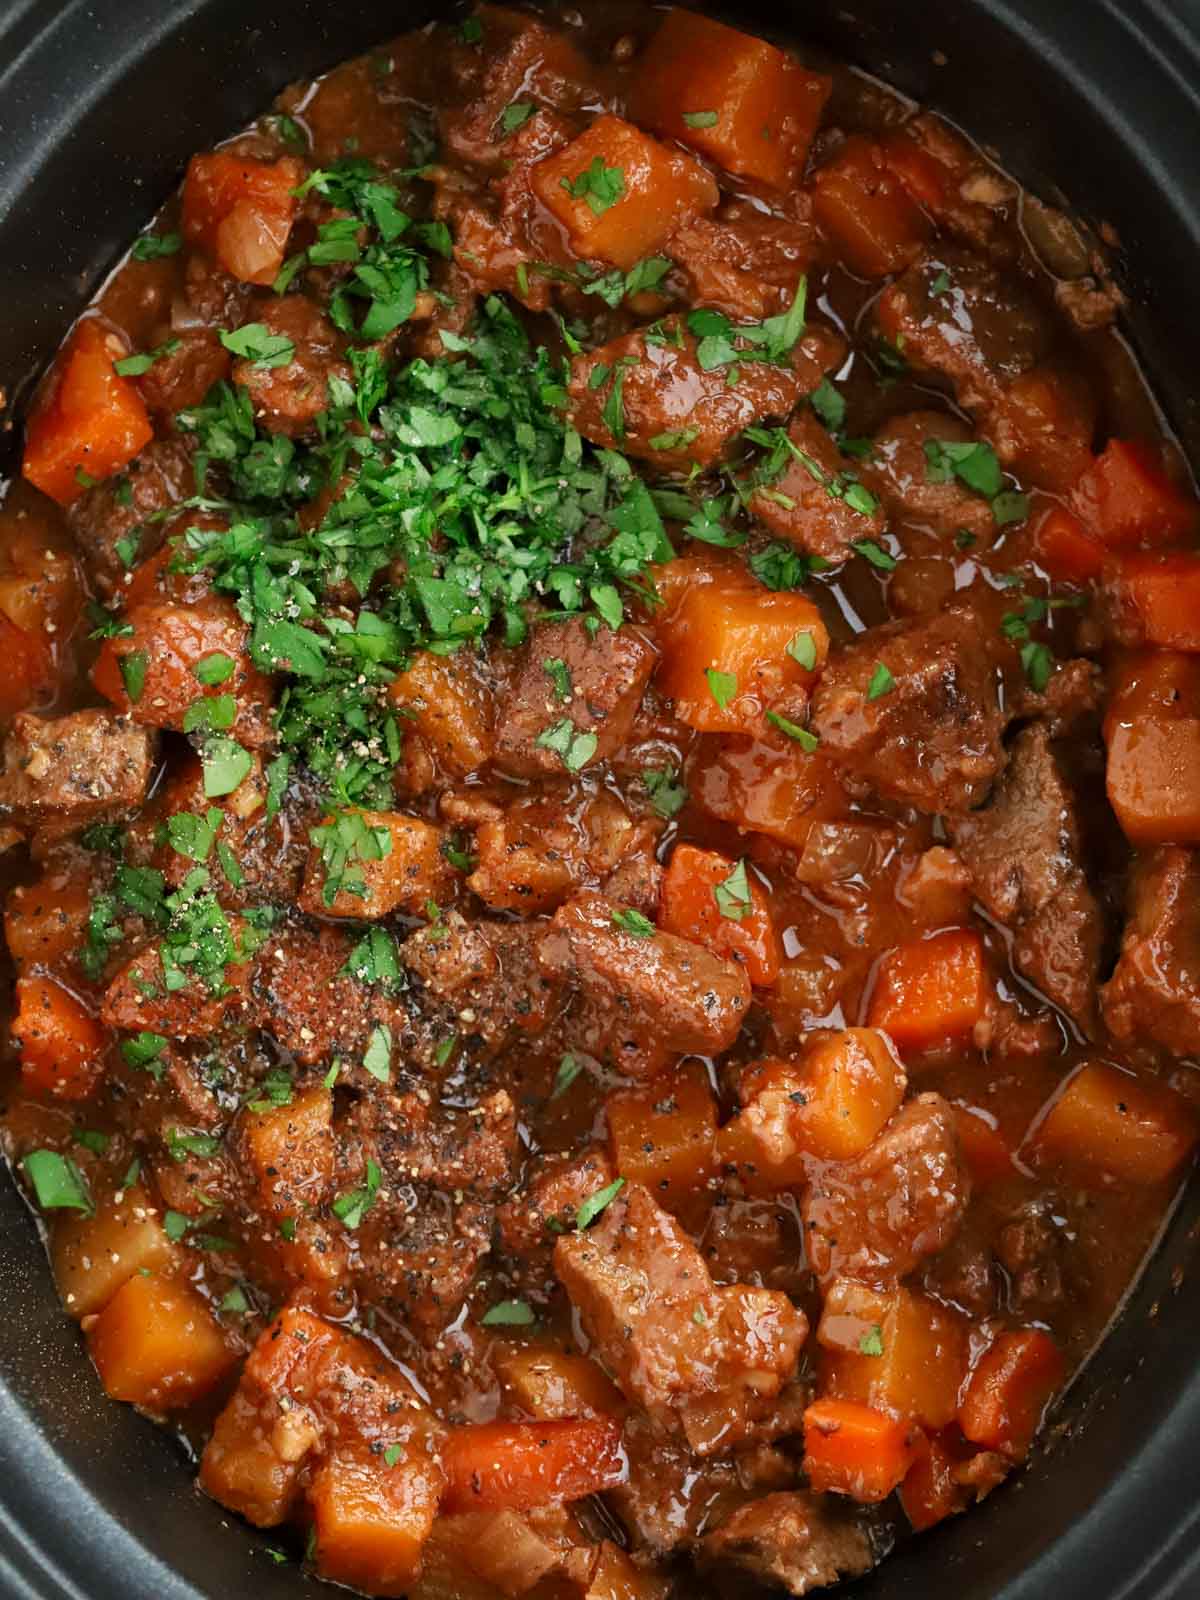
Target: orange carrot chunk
x,y
94,423
855,1450
371,1517
866,211
157,1344
1066,549
1126,498
619,194
893,1349
931,1492
736,99
241,211
931,990
62,1044
718,903
1110,1126
664,1136
490,1465
1009,1390
1160,597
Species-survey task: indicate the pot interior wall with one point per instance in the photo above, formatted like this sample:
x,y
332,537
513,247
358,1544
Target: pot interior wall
x,y
100,106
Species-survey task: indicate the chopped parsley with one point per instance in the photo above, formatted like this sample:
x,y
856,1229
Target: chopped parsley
x,y
378,1058
600,187
733,894
701,119
509,1314
667,795
881,682
806,740
803,649
154,246
516,115
626,920
573,747
723,686
254,342
57,1182
341,842
871,1344
560,676
133,674
598,1202
374,959
136,365
350,1208
569,1069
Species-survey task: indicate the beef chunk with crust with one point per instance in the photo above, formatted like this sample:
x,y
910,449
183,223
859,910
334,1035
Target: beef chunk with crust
x,y
538,732
1154,992
485,975
877,1217
913,709
89,766
1024,855
310,1004
813,504
708,1361
899,475
110,512
290,397
798,1539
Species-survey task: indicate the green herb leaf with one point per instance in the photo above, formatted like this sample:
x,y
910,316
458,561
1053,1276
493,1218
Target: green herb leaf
x,y
733,894
599,186
352,1207
560,676
667,795
515,116
806,740
803,649
573,748
881,682
723,686
875,554
596,1203
154,246
509,1314
378,1058
133,674
829,405
214,669
57,1182
972,462
255,342
701,119
633,922
871,1344
569,1069
226,766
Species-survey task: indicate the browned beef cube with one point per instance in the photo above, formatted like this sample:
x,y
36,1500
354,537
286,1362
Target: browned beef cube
x,y
1154,993
813,504
912,708
704,1359
418,1253
529,1222
81,768
1024,855
800,1540
289,398
484,974
310,1004
654,986
541,734
877,1217
746,266
110,511
412,1141
899,473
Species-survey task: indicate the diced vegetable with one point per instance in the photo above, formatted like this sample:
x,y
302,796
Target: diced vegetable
x,y
93,1256
1012,1384
1043,423
520,1464
867,213
893,1349
289,1148
1126,498
156,1344
1111,1127
987,1153
552,1385
94,423
720,904
664,1135
44,922
736,99
766,789
1160,598
372,1516
241,211
1152,730
366,864
619,193
62,1044
931,1492
931,990
1066,549
449,705
855,1450
731,650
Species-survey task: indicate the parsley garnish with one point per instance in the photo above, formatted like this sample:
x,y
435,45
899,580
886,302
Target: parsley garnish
x,y
569,1069
806,740
573,748
509,1314
596,1203
871,1344
153,246
352,1207
57,1182
700,119
733,894
626,920
723,686
255,342
667,795
599,186
881,682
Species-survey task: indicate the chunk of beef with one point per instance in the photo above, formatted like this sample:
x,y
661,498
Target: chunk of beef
x,y
138,998
931,738
658,987
798,1539
879,1216
669,410
813,504
212,297
89,766
1034,1248
548,1204
538,733
111,511
670,1497
710,1361
183,376
419,1251
957,317
486,976
289,398
307,1001
492,249
745,265
970,197
899,474
411,1141
1154,993
1024,855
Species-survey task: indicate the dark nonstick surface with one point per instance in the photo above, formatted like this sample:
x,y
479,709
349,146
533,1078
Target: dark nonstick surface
x,y
100,105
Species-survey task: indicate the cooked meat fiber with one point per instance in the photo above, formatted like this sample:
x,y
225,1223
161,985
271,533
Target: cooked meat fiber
x,y
898,472
126,508
1024,853
1154,993
90,766
798,1540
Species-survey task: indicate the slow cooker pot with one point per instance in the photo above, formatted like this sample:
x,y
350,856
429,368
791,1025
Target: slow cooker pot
x,y
101,103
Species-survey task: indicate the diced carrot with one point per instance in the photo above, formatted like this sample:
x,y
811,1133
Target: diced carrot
x,y
924,177
831,1104
736,99
28,668
1044,422
241,211
157,578
931,1492
1066,549
893,1349
988,1156
44,922
730,652
1125,497
1160,596
522,1464
855,1450
92,1256
775,789
1152,729
867,213
289,1149
397,865
1008,1392
157,1344
664,1135
150,674
1108,1125
690,906
62,1044
371,1518
699,568
628,193
931,990
553,1385
94,423
447,701
242,1469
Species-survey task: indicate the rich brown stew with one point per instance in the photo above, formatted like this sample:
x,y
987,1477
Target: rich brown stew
x,y
601,766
